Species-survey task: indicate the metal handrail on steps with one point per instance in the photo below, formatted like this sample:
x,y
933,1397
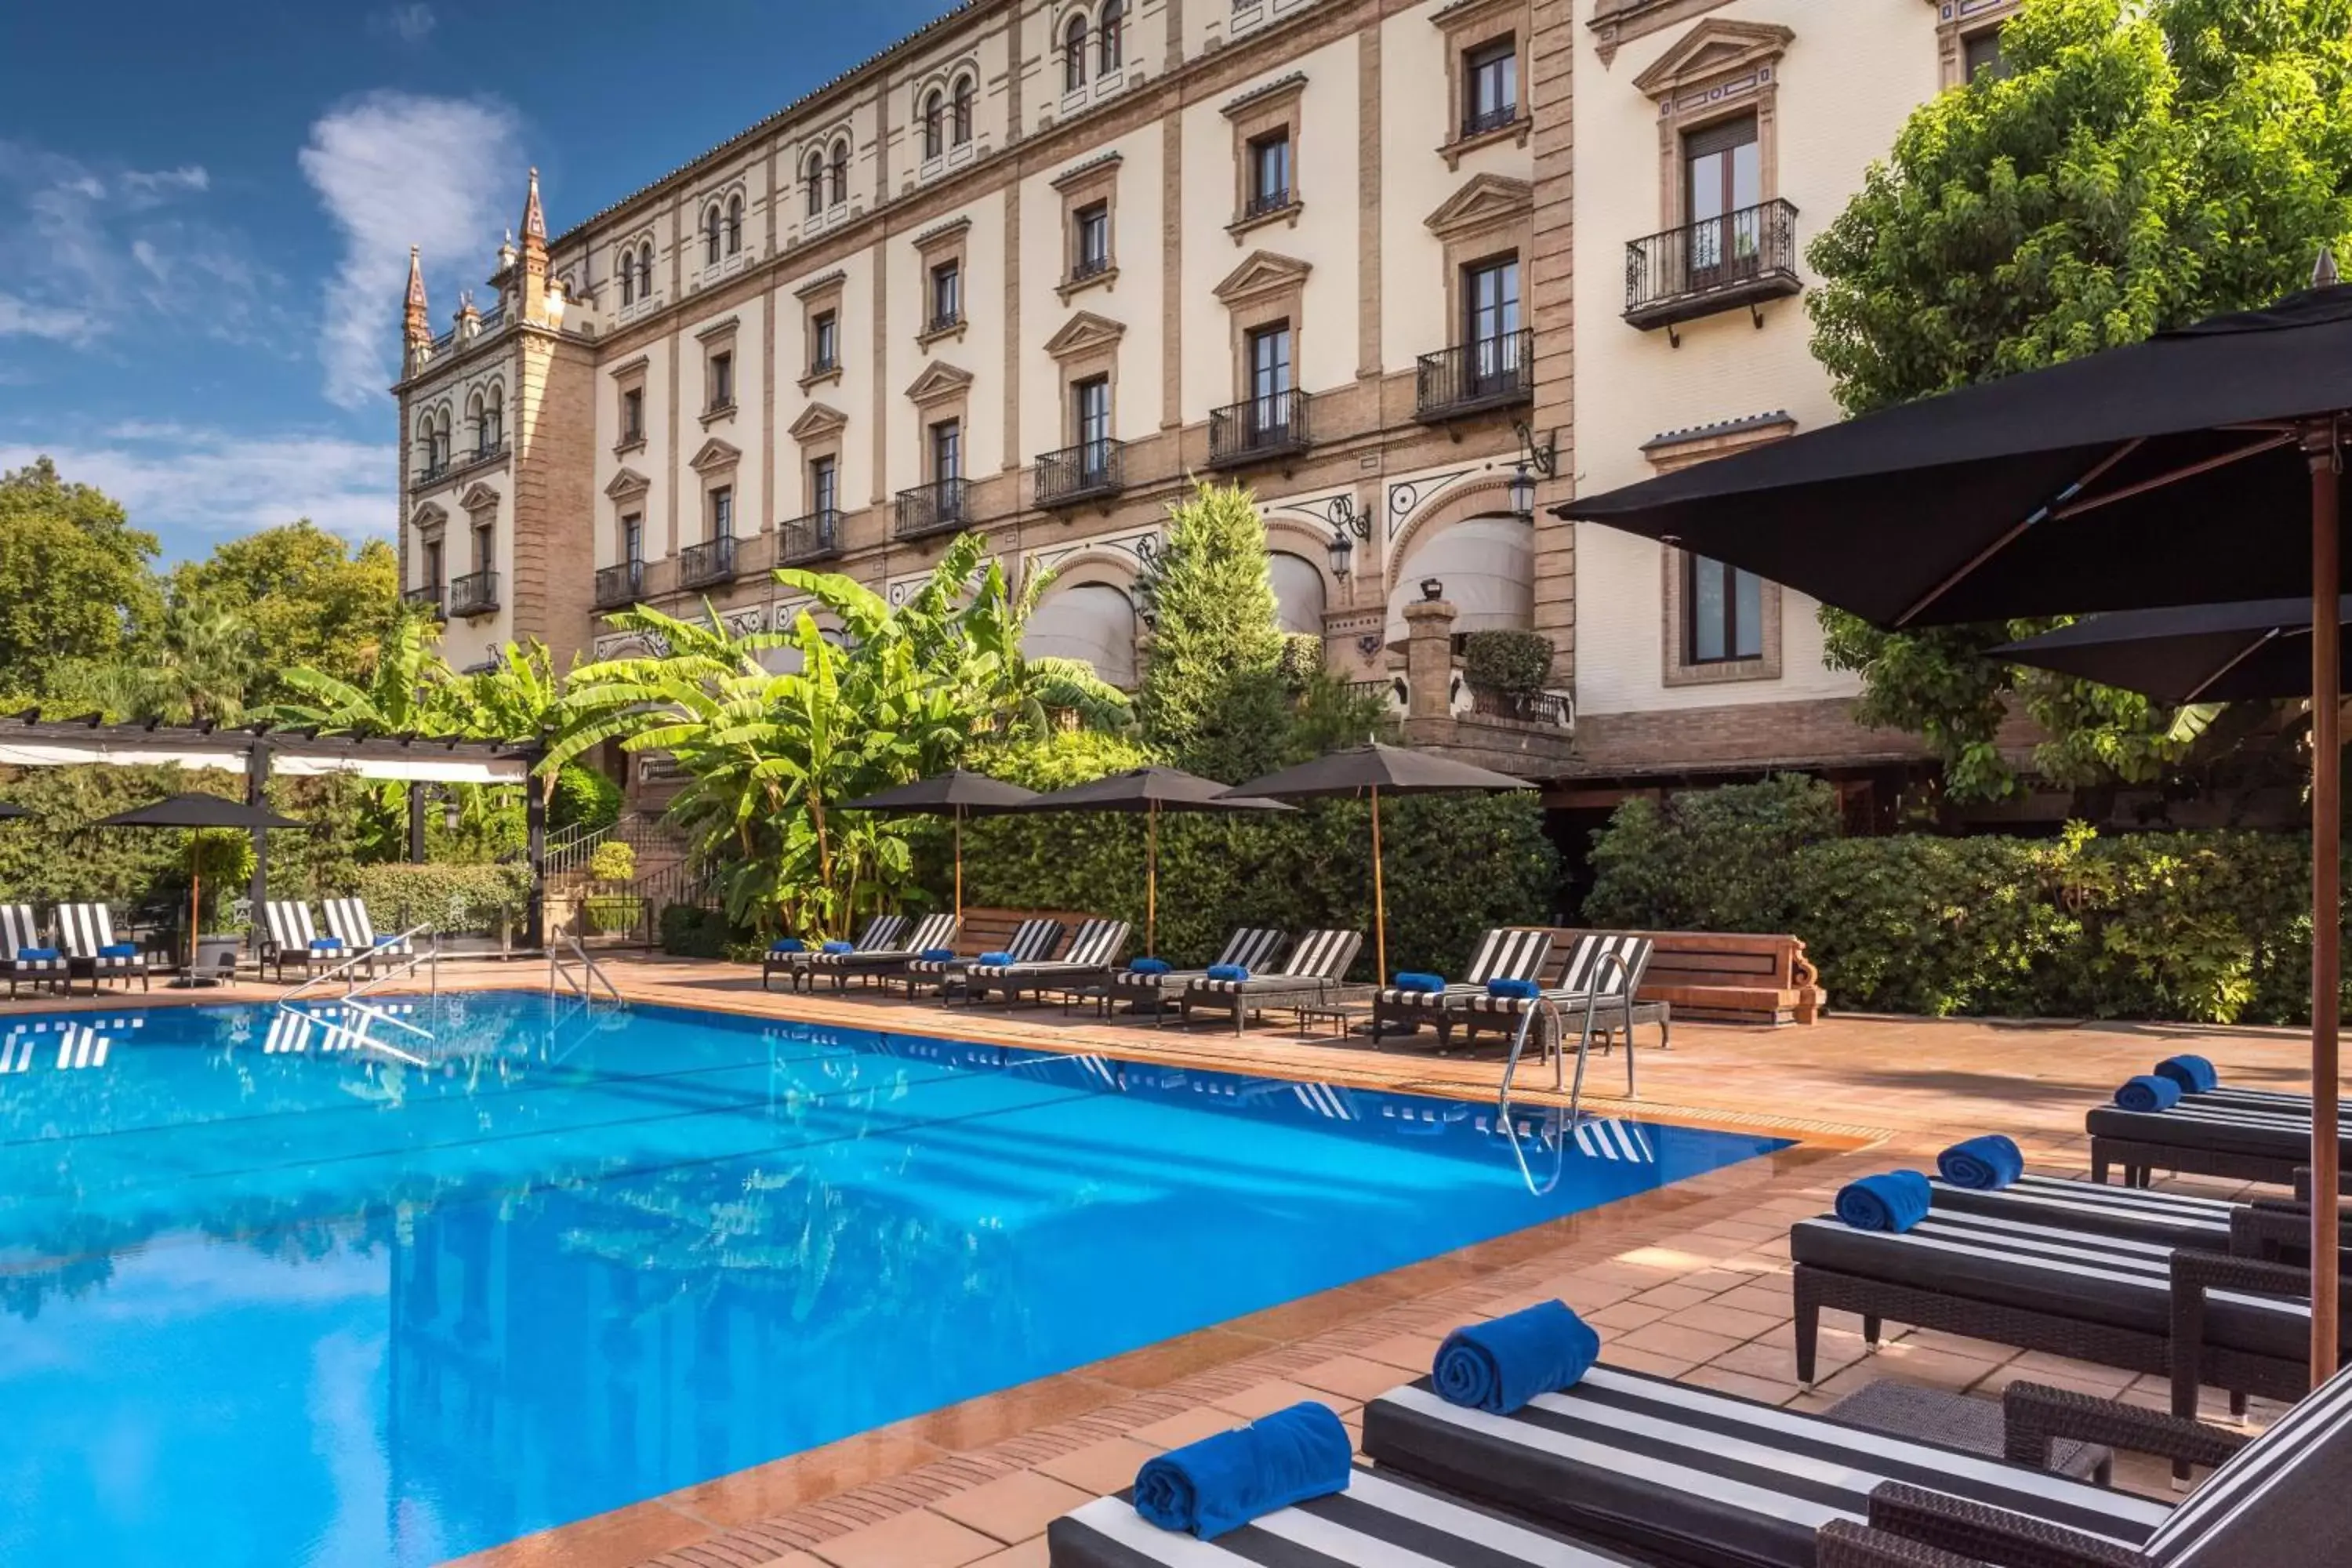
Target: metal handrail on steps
x,y
429,957
1548,1007
575,973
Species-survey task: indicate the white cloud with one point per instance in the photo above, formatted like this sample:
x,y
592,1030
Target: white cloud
x,y
409,24
395,169
61,324
196,485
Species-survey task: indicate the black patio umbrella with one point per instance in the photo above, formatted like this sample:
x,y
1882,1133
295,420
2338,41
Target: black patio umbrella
x,y
1150,791
955,793
197,812
2200,465
1367,770
10,813
2197,653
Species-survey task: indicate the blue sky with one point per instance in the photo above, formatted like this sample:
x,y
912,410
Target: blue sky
x,y
205,211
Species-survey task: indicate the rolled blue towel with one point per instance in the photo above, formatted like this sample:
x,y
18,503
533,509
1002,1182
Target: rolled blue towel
x,y
2195,1075
1418,980
789,944
1984,1164
1516,990
1148,966
119,950
2148,1092
841,947
1500,1364
997,958
1227,972
46,954
1221,1483
1896,1201
938,954
326,944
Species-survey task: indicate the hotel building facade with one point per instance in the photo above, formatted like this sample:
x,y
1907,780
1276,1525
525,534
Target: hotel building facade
x,y
1414,270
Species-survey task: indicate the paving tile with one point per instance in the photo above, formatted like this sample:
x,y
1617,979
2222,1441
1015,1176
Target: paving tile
x,y
792,1559
1013,1508
1671,1298
917,1540
1351,1377
1771,1391
1624,1316
1728,1321
1265,1398
1408,1353
1100,1467
1187,1427
1030,1553
1694,1345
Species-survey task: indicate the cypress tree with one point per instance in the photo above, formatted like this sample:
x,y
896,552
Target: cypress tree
x,y
1212,699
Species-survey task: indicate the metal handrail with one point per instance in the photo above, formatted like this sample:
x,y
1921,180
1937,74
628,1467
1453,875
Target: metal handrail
x,y
560,970
1549,1006
367,955
429,956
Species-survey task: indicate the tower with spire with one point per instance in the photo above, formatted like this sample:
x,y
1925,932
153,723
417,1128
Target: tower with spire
x,y
531,283
416,321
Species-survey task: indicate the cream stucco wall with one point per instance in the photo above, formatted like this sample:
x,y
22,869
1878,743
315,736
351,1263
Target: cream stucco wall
x,y
1848,79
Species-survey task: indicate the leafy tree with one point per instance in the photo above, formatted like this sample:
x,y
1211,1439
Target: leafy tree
x,y
74,585
1213,697
203,665
312,598
2141,166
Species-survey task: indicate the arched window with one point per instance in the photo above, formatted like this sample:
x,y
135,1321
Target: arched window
x,y
734,224
494,419
480,425
710,235
963,110
437,451
841,170
815,185
1073,54
1113,46
646,271
628,270
932,129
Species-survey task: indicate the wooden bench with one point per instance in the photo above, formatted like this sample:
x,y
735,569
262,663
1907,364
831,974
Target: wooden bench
x,y
1728,977
990,930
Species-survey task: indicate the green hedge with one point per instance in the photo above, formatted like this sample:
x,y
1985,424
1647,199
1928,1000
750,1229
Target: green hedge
x,y
456,899
688,930
2209,927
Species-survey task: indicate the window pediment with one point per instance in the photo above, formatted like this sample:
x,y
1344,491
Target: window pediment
x,y
938,384
715,454
626,483
1713,55
816,422
478,497
1260,273
1482,203
428,517
1083,333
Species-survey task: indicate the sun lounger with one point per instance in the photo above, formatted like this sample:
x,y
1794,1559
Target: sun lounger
x,y
1379,1520
1249,948
2071,1203
2227,1322
1507,953
2254,1135
1032,941
85,933
347,920
1601,971
291,936
1703,1476
1093,951
1316,967
935,932
881,934
23,955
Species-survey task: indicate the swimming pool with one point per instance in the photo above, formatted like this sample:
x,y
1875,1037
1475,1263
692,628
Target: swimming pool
x,y
274,1296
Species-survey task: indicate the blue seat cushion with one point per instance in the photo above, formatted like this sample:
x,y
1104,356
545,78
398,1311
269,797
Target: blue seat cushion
x,y
326,944
119,950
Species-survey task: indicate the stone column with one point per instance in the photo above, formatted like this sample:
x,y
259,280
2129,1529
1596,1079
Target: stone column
x,y
1429,659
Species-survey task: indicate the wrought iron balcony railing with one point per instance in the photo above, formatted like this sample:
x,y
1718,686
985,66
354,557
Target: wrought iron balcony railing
x,y
484,450
1553,708
1269,201
1082,472
619,586
427,598
1258,428
1086,267
816,537
1743,258
433,469
1486,372
1478,121
475,594
943,321
935,508
712,561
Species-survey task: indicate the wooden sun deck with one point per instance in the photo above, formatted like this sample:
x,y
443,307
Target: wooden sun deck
x,y
1690,1282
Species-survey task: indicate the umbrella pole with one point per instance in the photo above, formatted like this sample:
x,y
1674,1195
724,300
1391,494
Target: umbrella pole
x,y
195,892
2327,919
1151,879
1380,900
959,858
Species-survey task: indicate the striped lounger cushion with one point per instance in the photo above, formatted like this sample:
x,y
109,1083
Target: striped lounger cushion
x,y
2235,1121
1501,955
1587,974
2174,1219
18,933
2281,1499
1379,1520
84,928
1644,1456
2050,1270
1096,946
1324,955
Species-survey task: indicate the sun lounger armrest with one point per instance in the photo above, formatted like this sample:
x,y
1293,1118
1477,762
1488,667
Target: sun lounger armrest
x,y
2034,1416
1845,1544
1994,1536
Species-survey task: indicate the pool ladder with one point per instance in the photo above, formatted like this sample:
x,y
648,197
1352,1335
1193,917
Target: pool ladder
x,y
577,975
1546,1007
427,957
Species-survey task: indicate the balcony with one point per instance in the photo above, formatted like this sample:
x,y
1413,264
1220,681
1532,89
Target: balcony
x,y
427,598
816,537
475,594
1279,199
1257,431
1491,373
433,469
1086,267
1087,471
484,450
1743,258
940,506
1553,709
941,322
617,586
1477,122
712,561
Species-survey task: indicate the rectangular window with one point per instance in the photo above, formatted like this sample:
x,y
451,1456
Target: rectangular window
x,y
825,340
722,381
1269,380
485,547
1491,322
947,295
633,413
1723,612
632,539
433,574
1093,246
1980,51
824,485
947,449
1090,414
1723,183
1490,87
722,511
1269,173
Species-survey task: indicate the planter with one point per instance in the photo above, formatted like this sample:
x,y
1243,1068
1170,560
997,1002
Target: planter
x,y
217,958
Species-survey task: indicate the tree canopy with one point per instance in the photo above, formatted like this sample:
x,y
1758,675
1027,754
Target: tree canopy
x,y
2141,165
309,597
75,589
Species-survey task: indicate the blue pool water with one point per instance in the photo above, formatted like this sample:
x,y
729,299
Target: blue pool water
x,y
327,1306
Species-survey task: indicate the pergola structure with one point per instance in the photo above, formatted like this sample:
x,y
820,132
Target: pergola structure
x,y
261,751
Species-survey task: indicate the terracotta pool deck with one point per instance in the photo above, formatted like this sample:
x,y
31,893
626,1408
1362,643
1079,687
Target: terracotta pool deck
x,y
1689,1282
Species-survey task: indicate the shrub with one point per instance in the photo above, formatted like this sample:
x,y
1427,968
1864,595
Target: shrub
x,y
1713,859
1507,660
470,899
612,861
584,798
689,930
